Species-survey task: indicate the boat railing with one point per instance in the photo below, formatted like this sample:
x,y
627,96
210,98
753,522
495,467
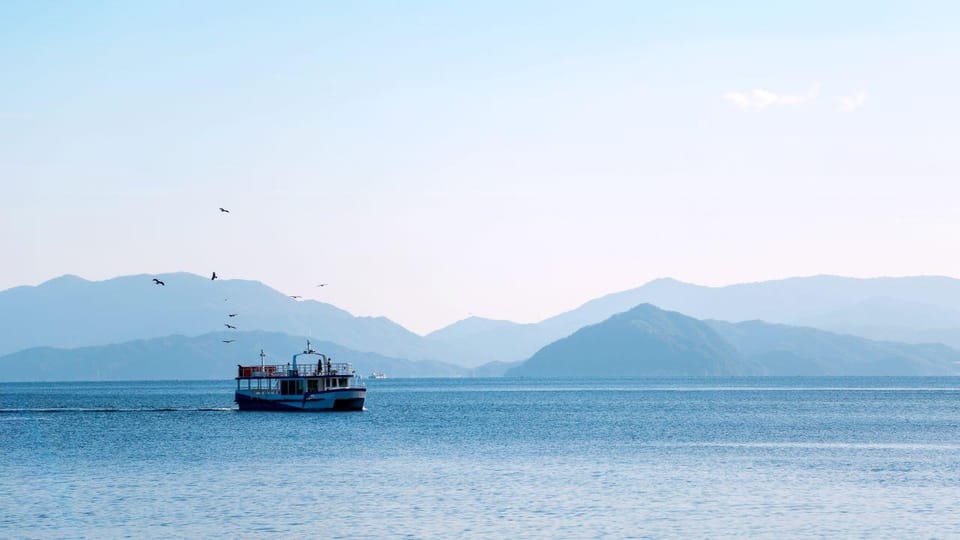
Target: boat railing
x,y
321,369
275,390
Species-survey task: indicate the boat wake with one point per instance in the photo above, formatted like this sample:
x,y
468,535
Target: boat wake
x,y
116,409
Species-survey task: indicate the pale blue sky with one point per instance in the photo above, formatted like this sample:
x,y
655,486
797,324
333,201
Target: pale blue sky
x,y
431,160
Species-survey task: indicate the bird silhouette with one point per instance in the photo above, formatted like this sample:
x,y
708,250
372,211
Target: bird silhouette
x,y
224,210
158,282
213,276
228,340
322,285
295,296
232,315
230,326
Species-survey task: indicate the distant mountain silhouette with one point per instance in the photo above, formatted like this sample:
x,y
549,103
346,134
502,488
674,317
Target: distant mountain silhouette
x,y
790,350
493,369
885,318
73,312
911,309
648,341
476,340
645,341
198,357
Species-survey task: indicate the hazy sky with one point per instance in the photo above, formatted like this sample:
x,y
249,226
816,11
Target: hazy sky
x,y
432,160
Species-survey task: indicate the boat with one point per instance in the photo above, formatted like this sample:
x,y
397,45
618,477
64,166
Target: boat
x,y
378,375
311,381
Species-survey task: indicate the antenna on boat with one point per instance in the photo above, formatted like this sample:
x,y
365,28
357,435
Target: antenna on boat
x,y
261,360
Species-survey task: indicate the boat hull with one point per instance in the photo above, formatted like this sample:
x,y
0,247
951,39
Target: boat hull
x,y
348,399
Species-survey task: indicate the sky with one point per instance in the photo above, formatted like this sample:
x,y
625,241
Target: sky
x,y
512,160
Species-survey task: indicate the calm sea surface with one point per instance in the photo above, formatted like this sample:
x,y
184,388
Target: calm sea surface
x,y
497,458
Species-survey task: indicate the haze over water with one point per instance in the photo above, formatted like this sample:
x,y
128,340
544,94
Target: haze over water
x,y
488,458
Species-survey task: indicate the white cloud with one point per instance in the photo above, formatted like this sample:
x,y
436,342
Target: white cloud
x,y
851,103
761,99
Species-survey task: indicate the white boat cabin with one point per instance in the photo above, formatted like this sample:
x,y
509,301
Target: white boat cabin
x,y
296,377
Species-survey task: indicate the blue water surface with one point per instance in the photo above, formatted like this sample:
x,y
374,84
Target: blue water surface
x,y
491,458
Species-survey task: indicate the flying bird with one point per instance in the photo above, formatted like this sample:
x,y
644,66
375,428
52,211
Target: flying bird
x,y
224,210
228,340
158,282
213,277
322,285
232,315
230,326
295,296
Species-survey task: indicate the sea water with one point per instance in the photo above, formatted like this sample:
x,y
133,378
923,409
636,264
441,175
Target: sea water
x,y
487,458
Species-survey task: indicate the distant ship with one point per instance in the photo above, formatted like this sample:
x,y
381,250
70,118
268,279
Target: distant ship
x,y
299,386
378,375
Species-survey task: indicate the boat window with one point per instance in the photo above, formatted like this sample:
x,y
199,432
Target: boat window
x,y
343,382
333,383
312,385
291,387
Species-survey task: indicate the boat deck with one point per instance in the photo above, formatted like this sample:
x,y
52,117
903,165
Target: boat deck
x,y
277,371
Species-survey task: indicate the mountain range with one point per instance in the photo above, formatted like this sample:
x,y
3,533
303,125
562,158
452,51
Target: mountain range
x,y
778,349
73,313
644,341
919,309
648,341
194,358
